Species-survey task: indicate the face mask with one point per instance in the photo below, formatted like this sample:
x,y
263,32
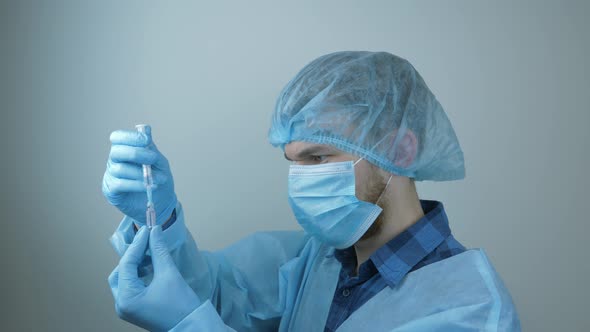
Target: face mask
x,y
323,200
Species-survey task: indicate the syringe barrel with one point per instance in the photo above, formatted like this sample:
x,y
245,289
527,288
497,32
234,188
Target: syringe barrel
x,y
148,182
150,216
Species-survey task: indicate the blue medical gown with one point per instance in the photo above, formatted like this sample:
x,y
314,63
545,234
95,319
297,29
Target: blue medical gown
x,y
286,280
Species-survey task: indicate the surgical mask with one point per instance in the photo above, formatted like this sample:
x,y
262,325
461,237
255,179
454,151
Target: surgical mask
x,y
323,200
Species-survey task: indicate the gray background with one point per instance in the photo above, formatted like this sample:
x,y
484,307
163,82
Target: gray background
x,y
512,76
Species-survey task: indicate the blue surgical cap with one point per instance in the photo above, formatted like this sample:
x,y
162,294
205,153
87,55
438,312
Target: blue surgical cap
x,y
374,105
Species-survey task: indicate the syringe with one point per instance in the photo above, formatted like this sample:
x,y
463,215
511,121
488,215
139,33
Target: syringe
x,y
150,212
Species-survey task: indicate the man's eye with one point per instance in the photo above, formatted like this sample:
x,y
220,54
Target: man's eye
x,y
318,158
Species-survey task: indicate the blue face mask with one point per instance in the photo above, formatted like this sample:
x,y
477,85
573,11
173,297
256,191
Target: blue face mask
x,y
323,200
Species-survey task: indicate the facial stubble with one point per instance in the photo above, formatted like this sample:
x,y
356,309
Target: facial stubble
x,y
373,191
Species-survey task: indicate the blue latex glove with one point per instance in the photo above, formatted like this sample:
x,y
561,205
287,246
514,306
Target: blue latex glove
x,y
123,185
162,304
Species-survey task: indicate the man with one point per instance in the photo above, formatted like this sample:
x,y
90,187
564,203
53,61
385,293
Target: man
x,y
360,128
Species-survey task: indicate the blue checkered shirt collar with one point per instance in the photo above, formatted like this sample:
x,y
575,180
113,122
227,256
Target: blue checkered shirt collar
x,y
406,251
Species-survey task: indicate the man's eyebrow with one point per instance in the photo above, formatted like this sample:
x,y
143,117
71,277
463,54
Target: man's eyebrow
x,y
305,152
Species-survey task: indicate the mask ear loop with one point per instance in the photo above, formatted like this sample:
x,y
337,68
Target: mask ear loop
x,y
356,162
384,189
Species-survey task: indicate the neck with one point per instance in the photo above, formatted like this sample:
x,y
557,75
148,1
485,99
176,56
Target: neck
x,y
401,209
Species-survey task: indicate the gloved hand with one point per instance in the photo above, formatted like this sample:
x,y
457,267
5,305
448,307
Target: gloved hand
x,y
123,185
162,304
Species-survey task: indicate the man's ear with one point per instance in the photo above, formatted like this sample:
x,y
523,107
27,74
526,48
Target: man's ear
x,y
406,151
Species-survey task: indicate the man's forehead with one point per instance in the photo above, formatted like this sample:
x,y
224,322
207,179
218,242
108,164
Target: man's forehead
x,y
299,149
300,145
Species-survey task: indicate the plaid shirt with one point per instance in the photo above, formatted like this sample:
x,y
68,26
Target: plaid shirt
x,y
427,241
